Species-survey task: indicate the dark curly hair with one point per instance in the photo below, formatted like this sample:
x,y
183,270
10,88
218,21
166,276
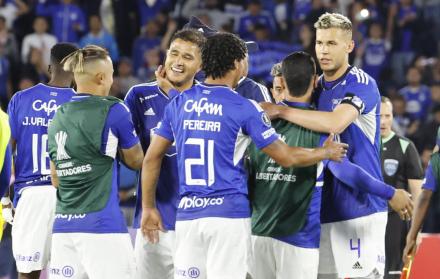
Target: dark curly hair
x,y
219,53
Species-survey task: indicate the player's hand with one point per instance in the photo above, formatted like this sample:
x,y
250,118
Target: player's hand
x,y
7,210
272,110
409,251
162,80
334,151
401,203
151,224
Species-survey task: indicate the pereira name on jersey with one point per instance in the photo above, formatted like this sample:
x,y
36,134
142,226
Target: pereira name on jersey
x,y
147,104
118,132
212,127
30,113
358,89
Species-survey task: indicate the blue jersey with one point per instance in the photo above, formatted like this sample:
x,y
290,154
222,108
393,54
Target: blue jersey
x,y
253,90
118,132
375,57
430,182
147,104
418,101
30,113
355,87
309,235
212,126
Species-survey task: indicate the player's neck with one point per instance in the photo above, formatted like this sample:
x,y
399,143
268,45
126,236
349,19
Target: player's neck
x,y
92,90
185,86
306,99
227,80
60,82
336,74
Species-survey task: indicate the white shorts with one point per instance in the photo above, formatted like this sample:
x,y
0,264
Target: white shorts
x,y
32,229
92,256
155,260
214,248
275,259
354,248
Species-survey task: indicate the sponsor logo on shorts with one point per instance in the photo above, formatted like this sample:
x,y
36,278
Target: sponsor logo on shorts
x,y
193,272
357,265
67,271
195,202
27,258
36,256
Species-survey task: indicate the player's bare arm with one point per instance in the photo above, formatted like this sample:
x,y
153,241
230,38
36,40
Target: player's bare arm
x,y
335,121
420,212
151,221
54,176
288,156
133,156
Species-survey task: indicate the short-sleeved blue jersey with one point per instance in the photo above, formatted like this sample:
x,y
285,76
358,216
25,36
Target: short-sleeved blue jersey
x,y
430,182
147,104
30,113
253,90
357,88
212,126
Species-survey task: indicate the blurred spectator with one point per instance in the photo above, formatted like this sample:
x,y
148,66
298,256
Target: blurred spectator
x,y
435,95
68,20
99,36
10,9
210,8
8,44
151,60
25,82
426,137
278,87
124,80
318,8
148,9
401,121
372,55
5,86
40,40
301,10
403,36
417,96
253,16
280,12
307,41
107,16
148,39
35,68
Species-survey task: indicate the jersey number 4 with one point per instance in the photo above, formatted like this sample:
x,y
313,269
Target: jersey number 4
x,y
200,161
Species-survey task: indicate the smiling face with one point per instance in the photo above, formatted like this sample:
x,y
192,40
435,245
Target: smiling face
x,y
182,63
332,48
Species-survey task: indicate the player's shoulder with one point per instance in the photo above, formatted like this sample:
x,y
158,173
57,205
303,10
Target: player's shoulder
x,y
357,77
148,89
250,85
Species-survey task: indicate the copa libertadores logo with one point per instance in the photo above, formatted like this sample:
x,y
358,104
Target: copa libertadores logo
x,y
60,139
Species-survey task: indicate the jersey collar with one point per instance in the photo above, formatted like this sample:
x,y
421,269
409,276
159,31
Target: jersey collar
x,y
332,84
295,104
390,136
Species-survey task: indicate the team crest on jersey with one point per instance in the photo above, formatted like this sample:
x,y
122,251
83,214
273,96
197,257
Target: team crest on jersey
x,y
60,139
390,166
265,119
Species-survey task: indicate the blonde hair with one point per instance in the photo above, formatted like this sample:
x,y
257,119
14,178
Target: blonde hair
x,y
276,70
334,20
75,61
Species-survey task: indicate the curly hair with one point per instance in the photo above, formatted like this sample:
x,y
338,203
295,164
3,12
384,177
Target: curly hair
x,y
220,52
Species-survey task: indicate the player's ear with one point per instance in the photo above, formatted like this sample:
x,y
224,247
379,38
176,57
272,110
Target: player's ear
x,y
350,46
100,78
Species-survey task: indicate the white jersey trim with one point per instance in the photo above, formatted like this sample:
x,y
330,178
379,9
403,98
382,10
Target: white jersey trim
x,y
112,145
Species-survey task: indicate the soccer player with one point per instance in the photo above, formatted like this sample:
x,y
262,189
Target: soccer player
x,y
354,220
90,238
402,168
30,113
212,126
147,103
246,86
286,201
278,87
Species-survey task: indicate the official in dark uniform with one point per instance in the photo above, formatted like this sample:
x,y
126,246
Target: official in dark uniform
x,y
401,168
